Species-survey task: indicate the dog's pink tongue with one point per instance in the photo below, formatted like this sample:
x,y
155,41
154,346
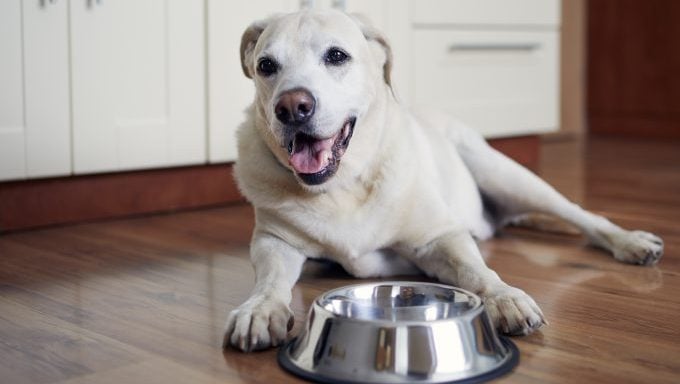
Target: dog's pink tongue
x,y
311,156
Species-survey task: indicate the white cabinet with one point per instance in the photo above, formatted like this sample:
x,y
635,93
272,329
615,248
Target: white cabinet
x,y
93,86
486,13
493,64
34,98
499,82
12,131
138,84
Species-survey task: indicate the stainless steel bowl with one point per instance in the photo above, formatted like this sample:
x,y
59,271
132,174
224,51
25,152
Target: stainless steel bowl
x,y
398,332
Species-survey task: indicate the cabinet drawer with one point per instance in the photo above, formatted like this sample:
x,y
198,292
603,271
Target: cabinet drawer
x,y
500,82
487,12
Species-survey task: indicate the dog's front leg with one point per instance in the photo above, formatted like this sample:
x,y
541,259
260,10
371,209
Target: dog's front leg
x,y
265,318
454,258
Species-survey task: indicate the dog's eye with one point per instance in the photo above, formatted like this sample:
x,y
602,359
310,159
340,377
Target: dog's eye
x,y
335,56
267,67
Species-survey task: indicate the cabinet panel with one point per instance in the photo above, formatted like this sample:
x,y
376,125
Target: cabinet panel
x,y
500,82
138,84
487,12
35,136
12,152
188,131
230,91
46,85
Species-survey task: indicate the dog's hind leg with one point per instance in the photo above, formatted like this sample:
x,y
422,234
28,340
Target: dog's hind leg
x,y
516,191
543,222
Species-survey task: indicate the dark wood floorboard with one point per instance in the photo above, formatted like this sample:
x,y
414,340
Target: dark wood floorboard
x,y
144,300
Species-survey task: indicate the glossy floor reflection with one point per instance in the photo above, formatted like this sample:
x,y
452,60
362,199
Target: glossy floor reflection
x,y
144,300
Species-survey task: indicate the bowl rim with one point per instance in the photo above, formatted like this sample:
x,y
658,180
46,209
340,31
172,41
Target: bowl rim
x,y
470,313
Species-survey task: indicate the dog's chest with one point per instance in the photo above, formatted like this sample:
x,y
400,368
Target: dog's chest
x,y
347,225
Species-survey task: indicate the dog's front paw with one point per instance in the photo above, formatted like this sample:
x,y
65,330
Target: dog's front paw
x,y
512,311
259,323
638,247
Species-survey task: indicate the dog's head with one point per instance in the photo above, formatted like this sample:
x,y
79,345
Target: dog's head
x,y
316,75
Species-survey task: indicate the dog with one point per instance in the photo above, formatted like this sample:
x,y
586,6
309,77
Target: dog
x,y
337,169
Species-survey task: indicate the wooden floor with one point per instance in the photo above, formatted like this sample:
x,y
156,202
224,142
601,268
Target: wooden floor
x,y
144,300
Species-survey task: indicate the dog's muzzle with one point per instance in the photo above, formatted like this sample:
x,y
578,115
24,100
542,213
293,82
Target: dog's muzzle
x,y
314,159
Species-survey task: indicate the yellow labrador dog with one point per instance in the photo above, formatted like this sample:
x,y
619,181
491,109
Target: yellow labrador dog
x,y
337,169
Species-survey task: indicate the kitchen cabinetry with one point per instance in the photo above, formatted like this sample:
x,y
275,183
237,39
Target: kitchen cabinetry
x,y
98,86
94,86
138,84
34,96
491,63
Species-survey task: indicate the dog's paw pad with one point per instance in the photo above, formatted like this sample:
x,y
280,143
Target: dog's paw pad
x,y
638,247
258,324
513,312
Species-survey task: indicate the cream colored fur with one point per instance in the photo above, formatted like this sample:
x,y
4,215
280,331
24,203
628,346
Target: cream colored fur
x,y
407,195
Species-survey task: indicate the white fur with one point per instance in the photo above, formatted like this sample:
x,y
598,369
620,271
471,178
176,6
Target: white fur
x,y
407,195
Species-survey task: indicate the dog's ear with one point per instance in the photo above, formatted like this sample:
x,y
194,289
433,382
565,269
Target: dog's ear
x,y
373,35
248,42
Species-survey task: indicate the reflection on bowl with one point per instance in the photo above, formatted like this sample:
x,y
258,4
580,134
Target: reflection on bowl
x,y
398,332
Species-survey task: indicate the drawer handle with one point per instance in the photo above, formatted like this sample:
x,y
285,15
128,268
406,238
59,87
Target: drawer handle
x,y
523,47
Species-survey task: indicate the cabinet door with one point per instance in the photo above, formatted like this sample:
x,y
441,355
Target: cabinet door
x,y
230,92
138,83
502,82
46,88
476,13
34,102
12,144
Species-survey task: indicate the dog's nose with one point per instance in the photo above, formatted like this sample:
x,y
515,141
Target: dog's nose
x,y
295,107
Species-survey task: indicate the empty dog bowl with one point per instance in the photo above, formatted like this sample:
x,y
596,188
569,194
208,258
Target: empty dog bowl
x,y
398,332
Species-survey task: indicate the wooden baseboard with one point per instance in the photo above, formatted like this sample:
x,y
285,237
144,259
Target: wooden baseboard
x,y
38,203
67,200
523,149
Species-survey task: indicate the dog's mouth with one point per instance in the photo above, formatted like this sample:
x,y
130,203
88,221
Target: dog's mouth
x,y
315,160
